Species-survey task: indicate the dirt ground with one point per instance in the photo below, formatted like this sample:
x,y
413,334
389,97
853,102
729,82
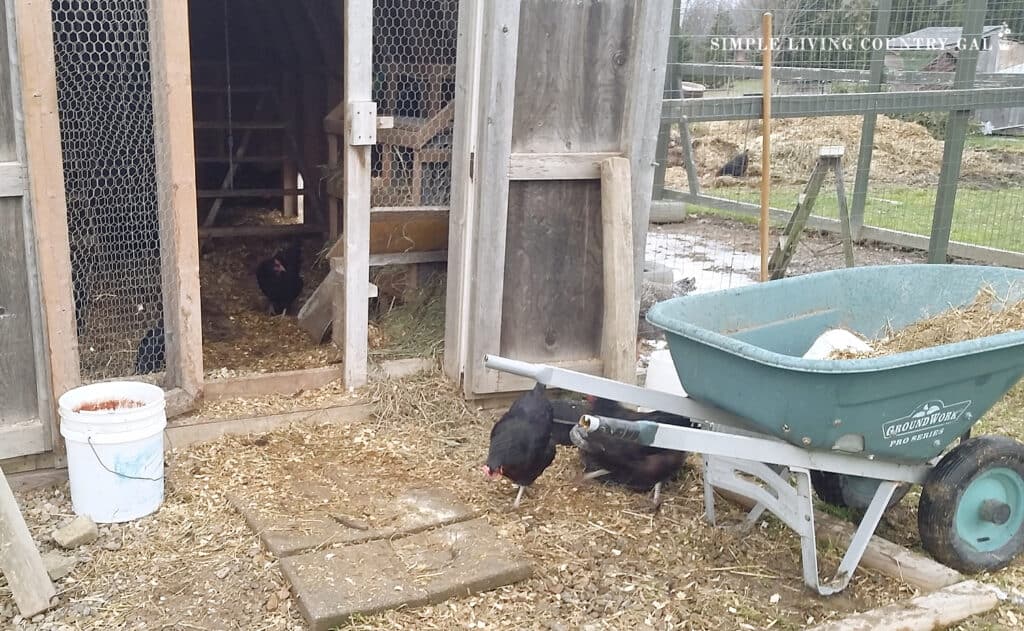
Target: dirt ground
x,y
602,560
905,153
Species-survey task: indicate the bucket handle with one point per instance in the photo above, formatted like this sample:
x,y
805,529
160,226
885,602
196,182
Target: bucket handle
x,y
117,473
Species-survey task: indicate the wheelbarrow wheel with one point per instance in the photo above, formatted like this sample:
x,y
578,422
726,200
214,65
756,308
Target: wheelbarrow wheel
x,y
850,491
971,514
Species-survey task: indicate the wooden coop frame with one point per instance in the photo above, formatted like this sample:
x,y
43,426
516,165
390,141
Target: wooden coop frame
x,y
30,40
535,136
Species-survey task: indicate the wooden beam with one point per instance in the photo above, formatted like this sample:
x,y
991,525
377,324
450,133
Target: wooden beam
x,y
499,50
463,193
941,609
406,258
289,181
248,192
20,559
44,162
619,325
175,176
22,439
639,140
557,166
351,326
288,382
260,231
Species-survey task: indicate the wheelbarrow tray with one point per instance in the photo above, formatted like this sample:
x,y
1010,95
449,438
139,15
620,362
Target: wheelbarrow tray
x,y
741,350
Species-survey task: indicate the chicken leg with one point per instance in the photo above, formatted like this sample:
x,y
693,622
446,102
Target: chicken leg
x,y
656,498
519,496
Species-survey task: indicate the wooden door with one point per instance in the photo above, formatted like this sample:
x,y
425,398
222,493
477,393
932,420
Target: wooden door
x,y
545,92
24,415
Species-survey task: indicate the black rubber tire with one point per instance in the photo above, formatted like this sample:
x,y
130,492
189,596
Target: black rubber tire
x,y
943,491
829,489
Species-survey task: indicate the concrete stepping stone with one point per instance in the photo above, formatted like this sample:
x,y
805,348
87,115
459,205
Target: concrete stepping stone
x,y
455,560
413,511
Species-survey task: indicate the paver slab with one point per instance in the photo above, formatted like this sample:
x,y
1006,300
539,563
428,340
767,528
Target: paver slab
x,y
411,512
459,559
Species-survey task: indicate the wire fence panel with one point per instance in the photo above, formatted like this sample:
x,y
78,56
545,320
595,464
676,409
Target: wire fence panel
x,y
825,51
106,126
414,82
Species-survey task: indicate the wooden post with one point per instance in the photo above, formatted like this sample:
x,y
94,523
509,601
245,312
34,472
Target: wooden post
x,y
883,15
618,329
289,181
353,332
463,194
766,138
176,186
956,134
650,36
671,91
49,208
19,557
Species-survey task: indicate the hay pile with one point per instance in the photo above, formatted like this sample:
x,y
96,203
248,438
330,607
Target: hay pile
x,y
986,315
905,153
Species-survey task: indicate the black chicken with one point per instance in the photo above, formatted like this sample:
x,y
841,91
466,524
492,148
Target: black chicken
x,y
567,415
632,465
151,354
279,278
737,166
522,446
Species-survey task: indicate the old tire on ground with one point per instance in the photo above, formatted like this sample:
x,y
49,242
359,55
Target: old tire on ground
x,y
850,491
971,514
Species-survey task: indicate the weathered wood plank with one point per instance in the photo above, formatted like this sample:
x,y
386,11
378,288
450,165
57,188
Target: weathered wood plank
x,y
463,194
351,317
176,193
639,139
556,166
18,395
287,382
41,124
20,559
937,610
571,87
23,438
552,298
619,323
497,107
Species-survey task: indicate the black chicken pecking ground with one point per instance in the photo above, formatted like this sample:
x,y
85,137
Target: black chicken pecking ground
x,y
522,445
635,466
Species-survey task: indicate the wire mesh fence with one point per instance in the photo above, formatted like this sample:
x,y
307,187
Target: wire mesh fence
x,y
414,82
106,127
825,53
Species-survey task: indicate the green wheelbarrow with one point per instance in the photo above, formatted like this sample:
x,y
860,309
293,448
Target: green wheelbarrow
x,y
857,431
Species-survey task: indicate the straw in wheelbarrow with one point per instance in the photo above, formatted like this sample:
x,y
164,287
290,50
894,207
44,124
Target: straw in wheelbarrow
x,y
986,315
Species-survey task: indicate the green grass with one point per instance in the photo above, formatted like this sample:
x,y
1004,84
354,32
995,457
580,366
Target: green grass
x,y
997,143
981,217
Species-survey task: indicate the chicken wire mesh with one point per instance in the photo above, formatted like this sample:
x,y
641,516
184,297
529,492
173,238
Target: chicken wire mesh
x,y
414,82
106,128
824,48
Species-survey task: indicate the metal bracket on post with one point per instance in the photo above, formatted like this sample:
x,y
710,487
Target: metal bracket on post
x,y
361,123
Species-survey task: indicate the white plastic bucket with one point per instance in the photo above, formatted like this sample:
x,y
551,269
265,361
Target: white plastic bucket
x,y
114,433
662,375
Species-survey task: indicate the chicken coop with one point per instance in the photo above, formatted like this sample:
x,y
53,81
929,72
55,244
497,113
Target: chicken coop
x,y
159,152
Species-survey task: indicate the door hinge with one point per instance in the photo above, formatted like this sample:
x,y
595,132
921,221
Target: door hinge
x,y
472,159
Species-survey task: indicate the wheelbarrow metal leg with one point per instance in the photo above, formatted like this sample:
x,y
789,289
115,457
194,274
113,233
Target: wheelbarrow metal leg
x,y
860,540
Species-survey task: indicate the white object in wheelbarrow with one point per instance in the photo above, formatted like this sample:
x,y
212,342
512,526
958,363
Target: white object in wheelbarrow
x,y
836,340
662,375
